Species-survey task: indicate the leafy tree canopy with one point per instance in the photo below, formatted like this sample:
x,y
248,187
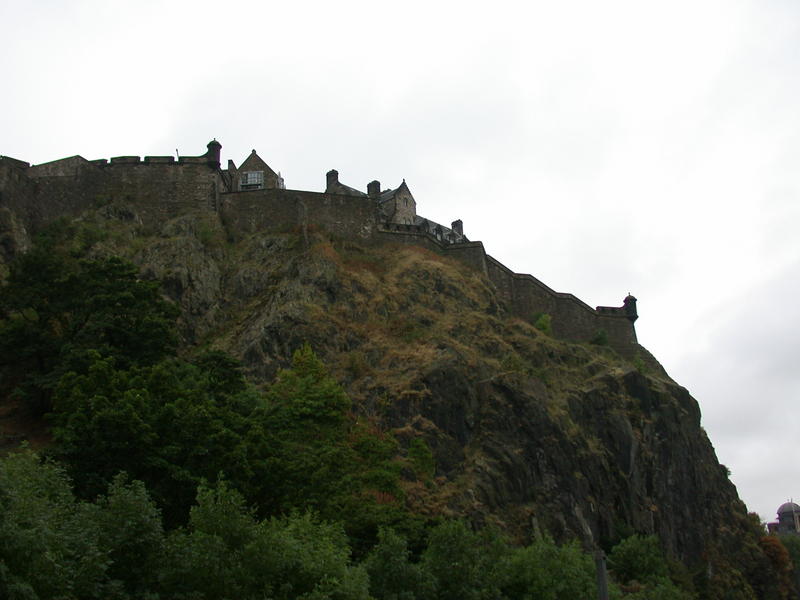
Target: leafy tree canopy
x,y
55,307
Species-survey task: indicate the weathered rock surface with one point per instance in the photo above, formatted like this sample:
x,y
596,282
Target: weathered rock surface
x,y
527,431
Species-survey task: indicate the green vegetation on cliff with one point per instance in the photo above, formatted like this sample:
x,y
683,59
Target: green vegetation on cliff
x,y
428,433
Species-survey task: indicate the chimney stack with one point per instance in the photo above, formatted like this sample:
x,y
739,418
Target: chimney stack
x,y
458,227
332,177
374,189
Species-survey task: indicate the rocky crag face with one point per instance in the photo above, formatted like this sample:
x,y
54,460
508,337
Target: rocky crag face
x,y
527,432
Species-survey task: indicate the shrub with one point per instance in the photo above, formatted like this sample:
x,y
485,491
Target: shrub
x,y
546,571
600,338
421,457
544,323
638,558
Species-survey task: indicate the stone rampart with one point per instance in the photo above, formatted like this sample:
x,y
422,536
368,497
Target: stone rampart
x,y
16,203
279,210
16,190
571,318
157,189
408,235
469,253
526,296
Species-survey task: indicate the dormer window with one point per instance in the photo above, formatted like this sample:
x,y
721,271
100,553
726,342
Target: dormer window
x,y
252,180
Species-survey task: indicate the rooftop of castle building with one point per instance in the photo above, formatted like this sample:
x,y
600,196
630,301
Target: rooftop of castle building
x,y
788,507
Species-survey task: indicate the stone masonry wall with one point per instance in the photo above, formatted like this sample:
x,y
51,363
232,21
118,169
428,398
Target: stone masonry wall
x,y
571,318
527,297
405,206
16,190
16,200
278,210
163,190
156,191
408,238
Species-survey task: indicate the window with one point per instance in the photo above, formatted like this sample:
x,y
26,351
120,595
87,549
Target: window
x,y
252,180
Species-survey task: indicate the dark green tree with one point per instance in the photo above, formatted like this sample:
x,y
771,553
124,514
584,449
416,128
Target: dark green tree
x,y
392,574
165,424
225,553
547,571
464,564
50,544
131,535
35,508
54,308
310,451
639,562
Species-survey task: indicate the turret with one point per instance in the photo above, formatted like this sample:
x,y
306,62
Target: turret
x,y
214,148
629,306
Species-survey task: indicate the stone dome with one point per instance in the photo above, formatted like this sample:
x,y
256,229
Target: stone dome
x,y
788,507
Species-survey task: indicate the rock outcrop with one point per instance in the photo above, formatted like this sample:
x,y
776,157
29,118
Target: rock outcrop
x,y
528,432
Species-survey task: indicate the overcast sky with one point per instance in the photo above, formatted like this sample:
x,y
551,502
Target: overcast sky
x,y
603,147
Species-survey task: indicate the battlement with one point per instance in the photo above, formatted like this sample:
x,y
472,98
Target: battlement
x,y
13,163
253,198
66,167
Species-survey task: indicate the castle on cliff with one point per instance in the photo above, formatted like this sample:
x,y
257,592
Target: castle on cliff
x,y
253,198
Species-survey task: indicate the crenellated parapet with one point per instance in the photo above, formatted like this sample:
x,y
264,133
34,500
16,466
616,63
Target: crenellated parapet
x,y
627,310
160,187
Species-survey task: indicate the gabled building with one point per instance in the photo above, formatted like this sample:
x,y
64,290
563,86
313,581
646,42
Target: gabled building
x,y
253,174
398,205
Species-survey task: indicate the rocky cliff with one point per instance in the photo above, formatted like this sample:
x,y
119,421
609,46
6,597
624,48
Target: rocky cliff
x,y
527,432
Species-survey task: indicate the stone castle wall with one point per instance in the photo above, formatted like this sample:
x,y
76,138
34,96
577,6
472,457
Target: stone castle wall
x,y
158,189
279,210
16,189
571,318
527,297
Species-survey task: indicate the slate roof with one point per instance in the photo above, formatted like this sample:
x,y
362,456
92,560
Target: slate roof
x,y
446,232
346,189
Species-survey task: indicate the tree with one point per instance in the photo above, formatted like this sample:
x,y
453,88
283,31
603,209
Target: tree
x,y
792,545
546,571
638,558
392,575
639,562
50,543
55,546
464,564
310,451
225,553
54,308
778,555
161,424
131,535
